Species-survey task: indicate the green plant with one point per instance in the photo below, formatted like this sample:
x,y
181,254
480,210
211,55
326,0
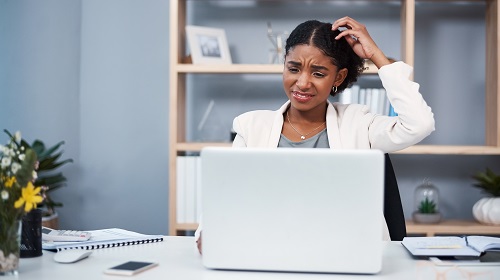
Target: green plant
x,y
48,162
488,182
427,206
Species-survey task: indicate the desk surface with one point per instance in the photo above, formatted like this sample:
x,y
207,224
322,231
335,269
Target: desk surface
x,y
179,259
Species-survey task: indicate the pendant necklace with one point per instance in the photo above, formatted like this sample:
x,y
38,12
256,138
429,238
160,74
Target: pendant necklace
x,y
302,136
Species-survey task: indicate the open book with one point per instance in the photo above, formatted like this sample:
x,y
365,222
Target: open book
x,y
472,246
104,238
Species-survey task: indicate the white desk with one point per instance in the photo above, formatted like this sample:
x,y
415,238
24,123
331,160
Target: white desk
x,y
179,260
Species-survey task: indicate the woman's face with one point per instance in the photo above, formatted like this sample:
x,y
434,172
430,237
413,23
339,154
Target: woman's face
x,y
309,76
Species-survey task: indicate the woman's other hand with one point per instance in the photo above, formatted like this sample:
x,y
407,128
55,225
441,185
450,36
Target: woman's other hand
x,y
198,244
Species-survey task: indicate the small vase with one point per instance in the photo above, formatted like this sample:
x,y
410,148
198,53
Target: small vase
x,y
10,241
487,210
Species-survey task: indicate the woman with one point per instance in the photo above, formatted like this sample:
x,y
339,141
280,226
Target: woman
x,y
322,60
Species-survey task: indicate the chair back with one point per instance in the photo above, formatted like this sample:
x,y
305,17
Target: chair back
x,y
393,210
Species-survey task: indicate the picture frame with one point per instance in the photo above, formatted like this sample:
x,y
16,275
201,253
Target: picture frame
x,y
208,45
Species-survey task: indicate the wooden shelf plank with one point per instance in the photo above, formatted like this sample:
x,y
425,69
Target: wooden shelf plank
x,y
416,149
450,150
453,227
231,69
196,147
186,226
244,69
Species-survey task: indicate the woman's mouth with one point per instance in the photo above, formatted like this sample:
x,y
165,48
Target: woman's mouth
x,y
301,96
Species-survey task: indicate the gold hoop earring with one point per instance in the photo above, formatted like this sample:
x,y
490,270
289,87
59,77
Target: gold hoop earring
x,y
334,88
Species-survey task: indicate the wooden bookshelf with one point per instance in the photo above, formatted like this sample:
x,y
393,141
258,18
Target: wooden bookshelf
x,y
177,107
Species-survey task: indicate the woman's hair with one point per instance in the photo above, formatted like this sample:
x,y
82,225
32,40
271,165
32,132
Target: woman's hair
x,y
320,35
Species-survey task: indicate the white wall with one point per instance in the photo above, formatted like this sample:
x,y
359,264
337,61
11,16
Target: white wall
x,y
95,74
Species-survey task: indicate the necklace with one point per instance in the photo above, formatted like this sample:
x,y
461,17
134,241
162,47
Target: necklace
x,y
302,136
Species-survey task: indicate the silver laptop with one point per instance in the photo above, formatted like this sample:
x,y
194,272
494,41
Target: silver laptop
x,y
289,209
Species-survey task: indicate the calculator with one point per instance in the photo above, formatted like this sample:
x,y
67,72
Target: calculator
x,y
55,235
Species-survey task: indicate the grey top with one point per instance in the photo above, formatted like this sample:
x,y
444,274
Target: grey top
x,y
319,140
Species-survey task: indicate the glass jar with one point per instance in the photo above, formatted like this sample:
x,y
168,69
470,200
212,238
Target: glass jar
x,y
426,204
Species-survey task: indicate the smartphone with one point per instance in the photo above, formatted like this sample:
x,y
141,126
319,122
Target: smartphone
x,y
130,268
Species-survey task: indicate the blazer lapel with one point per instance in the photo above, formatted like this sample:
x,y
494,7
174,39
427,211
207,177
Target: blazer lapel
x,y
274,136
332,128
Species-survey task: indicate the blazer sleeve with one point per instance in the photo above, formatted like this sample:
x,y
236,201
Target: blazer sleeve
x,y
415,119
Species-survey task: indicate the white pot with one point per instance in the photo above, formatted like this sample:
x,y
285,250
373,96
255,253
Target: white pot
x,y
487,210
426,218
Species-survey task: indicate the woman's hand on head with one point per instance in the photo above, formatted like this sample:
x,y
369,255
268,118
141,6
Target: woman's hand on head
x,y
360,40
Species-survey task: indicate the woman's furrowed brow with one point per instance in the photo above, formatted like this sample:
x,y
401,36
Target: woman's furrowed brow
x,y
315,67
294,63
320,67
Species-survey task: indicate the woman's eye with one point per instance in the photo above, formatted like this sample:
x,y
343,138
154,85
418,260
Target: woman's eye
x,y
293,70
319,75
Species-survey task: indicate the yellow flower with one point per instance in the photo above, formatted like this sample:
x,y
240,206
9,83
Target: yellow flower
x,y
10,181
30,197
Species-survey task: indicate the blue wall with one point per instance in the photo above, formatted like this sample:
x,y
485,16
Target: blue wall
x,y
95,74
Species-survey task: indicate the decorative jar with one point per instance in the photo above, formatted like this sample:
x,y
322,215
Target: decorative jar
x,y
426,204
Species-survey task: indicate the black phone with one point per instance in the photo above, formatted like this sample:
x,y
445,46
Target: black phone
x,y
130,268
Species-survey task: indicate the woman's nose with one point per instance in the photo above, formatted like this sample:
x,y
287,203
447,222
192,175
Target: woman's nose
x,y
303,81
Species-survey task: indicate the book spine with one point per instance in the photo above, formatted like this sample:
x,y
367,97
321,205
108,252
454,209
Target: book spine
x,y
190,193
392,113
181,189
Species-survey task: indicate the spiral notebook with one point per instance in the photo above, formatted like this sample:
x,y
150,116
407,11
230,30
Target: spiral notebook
x,y
455,246
105,238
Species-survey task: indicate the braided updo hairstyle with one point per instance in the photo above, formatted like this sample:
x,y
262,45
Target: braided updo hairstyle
x,y
320,35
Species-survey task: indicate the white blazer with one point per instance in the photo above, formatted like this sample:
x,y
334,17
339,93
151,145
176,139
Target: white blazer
x,y
352,126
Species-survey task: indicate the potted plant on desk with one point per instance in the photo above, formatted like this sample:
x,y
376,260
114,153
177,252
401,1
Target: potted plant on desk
x,y
48,162
487,209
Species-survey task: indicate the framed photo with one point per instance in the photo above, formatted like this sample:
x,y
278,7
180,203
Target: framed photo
x,y
208,45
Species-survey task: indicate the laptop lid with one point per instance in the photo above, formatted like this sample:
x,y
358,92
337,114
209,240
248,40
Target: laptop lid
x,y
290,209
